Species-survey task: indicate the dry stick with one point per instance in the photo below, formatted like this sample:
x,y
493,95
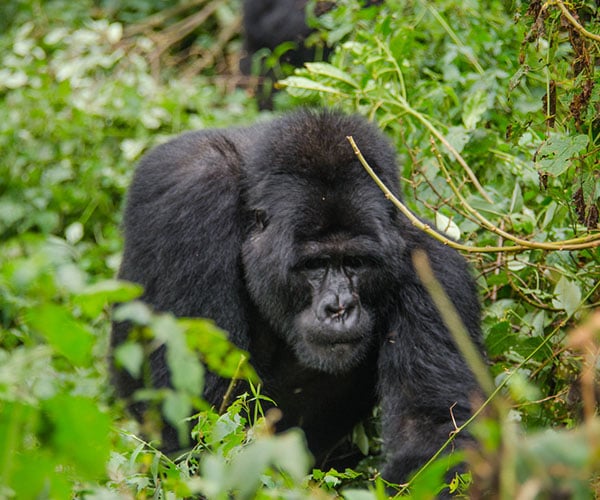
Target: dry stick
x,y
521,246
507,480
224,36
466,347
161,17
184,27
414,220
574,21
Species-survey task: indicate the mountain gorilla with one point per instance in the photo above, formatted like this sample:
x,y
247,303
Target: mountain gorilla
x,y
270,23
277,233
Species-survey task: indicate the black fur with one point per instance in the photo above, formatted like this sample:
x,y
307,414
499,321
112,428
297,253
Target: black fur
x,y
278,234
270,23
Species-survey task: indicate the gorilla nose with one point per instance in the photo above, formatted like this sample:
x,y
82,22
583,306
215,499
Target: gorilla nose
x,y
339,308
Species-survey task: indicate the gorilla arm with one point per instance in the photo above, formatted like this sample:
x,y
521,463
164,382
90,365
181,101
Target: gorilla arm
x,y
183,234
425,385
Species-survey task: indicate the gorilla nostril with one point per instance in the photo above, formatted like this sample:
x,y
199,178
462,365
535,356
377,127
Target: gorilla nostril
x,y
334,310
340,309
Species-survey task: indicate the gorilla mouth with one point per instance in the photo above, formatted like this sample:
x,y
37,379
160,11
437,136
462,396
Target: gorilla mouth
x,y
325,337
332,352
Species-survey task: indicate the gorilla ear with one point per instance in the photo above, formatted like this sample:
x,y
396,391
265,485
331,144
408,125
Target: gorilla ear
x,y
261,219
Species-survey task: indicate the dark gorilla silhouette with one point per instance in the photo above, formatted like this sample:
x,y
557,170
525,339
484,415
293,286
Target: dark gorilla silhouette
x,y
268,24
277,233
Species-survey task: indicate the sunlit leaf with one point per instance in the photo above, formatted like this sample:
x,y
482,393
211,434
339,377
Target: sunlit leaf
x,y
567,295
80,432
94,298
556,154
68,336
130,355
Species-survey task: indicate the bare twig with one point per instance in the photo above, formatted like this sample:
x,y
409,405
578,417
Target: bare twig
x,y
161,17
450,316
403,104
521,244
572,244
574,22
207,59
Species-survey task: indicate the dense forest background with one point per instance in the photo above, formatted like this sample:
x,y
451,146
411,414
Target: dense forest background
x,y
495,110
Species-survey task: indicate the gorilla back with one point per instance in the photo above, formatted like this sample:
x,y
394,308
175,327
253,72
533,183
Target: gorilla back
x,y
277,233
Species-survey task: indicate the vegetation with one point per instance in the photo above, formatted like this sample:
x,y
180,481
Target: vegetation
x,y
494,108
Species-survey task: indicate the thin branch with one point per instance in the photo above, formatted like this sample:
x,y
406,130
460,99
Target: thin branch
x,y
574,21
181,29
234,380
520,246
161,17
403,103
207,59
501,406
575,244
453,322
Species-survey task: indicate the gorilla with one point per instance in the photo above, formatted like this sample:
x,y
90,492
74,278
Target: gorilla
x,y
277,233
270,23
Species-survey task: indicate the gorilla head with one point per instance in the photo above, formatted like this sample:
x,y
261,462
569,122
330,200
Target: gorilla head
x,y
277,233
322,237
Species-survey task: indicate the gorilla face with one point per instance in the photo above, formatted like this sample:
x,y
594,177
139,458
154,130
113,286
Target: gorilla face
x,y
314,264
334,331
314,296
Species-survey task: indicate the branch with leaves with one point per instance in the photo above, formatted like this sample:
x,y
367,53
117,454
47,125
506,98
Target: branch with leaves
x,y
520,244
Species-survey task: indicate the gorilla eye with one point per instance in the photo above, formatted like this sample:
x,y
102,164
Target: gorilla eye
x,y
261,219
355,262
314,263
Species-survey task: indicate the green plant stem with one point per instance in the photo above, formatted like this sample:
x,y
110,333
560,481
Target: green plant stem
x,y
573,244
232,384
440,19
519,247
402,103
574,21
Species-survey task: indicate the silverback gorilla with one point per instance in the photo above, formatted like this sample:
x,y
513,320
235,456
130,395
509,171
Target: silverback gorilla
x,y
277,233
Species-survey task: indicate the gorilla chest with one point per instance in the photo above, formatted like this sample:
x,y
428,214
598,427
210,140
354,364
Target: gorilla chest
x,y
322,404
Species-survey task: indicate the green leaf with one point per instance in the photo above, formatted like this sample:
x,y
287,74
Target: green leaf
x,y
302,83
220,355
447,226
286,451
94,298
457,137
326,69
555,155
350,494
130,355
80,433
474,108
360,438
567,295
137,312
68,336
177,407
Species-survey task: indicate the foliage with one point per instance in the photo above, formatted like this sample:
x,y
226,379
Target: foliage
x,y
493,107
